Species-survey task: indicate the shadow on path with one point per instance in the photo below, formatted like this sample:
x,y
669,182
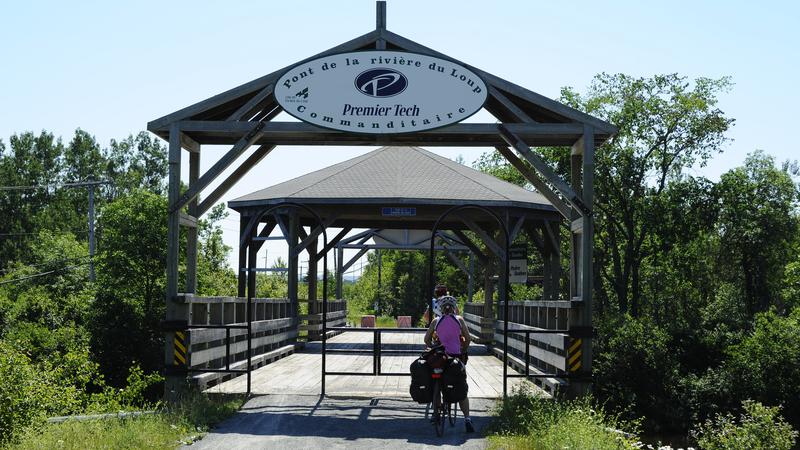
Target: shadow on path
x,y
296,422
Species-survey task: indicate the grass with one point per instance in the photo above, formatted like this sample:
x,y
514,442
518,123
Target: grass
x,y
174,426
526,421
385,322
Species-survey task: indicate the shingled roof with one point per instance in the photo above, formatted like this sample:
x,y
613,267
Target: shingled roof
x,y
397,175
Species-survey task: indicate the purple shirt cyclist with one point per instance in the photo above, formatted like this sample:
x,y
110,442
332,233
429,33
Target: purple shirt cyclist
x,y
451,331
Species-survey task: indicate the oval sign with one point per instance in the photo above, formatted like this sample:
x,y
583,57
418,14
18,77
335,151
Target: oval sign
x,y
380,92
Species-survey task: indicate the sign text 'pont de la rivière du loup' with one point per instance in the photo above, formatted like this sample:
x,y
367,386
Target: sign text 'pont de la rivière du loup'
x,y
380,92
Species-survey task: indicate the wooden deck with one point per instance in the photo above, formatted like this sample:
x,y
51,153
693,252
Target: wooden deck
x,y
300,373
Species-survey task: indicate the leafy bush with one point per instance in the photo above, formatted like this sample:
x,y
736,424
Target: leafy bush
x,y
759,428
758,368
526,421
23,398
638,371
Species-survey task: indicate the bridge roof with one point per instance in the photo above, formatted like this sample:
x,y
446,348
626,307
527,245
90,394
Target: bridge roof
x,y
355,189
397,175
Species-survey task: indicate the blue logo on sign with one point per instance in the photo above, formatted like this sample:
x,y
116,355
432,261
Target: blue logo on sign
x,y
381,82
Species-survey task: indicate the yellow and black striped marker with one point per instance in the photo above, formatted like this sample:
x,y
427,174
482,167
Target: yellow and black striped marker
x,y
574,355
180,348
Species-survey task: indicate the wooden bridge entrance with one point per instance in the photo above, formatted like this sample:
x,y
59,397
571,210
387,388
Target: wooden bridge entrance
x,y
299,373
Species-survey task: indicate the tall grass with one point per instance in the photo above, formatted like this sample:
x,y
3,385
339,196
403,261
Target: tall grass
x,y
172,427
526,421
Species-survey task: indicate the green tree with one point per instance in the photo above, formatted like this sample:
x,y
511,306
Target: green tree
x,y
666,124
131,285
758,227
214,277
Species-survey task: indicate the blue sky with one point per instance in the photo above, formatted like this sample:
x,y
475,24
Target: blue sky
x,y
110,67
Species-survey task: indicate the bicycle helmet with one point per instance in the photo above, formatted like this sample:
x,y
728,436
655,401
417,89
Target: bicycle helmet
x,y
447,300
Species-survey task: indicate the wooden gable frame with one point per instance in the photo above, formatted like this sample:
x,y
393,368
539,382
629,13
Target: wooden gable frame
x,y
243,117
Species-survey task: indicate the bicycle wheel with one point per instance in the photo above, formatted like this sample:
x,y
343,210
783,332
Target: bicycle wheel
x,y
452,413
438,411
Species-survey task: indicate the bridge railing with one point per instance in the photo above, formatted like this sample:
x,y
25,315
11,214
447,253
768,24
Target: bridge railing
x,y
312,323
275,329
276,326
481,328
544,353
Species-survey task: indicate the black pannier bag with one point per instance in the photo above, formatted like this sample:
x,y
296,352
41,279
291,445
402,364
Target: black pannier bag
x,y
421,387
454,381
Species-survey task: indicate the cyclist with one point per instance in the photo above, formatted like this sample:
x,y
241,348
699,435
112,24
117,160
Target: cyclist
x,y
439,291
450,330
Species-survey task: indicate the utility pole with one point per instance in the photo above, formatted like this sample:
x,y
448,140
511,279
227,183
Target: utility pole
x,y
91,231
90,184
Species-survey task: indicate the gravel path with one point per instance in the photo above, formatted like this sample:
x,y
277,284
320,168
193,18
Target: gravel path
x,y
306,422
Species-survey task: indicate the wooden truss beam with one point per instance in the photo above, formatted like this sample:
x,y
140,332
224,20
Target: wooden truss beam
x,y
223,163
488,240
354,259
518,91
313,235
255,85
458,263
515,229
471,245
538,183
509,106
541,166
336,239
234,178
254,105
461,134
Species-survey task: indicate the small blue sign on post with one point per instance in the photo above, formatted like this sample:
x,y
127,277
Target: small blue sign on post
x,y
398,212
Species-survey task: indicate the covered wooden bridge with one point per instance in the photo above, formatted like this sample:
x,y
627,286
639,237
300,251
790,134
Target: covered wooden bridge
x,y
207,338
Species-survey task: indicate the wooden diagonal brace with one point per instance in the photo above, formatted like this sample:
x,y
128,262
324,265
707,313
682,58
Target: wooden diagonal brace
x,y
541,166
536,181
490,243
223,163
471,245
315,232
454,259
335,240
515,230
234,177
509,106
354,259
254,104
551,237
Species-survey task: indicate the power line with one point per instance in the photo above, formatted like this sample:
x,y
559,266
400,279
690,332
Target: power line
x,y
53,185
29,233
56,261
44,273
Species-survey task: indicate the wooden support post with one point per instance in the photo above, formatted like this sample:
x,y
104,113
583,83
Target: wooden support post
x,y
191,232
174,384
252,262
291,238
241,274
553,238
380,24
339,272
582,167
312,285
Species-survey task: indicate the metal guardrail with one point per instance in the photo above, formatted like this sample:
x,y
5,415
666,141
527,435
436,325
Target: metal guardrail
x,y
377,351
